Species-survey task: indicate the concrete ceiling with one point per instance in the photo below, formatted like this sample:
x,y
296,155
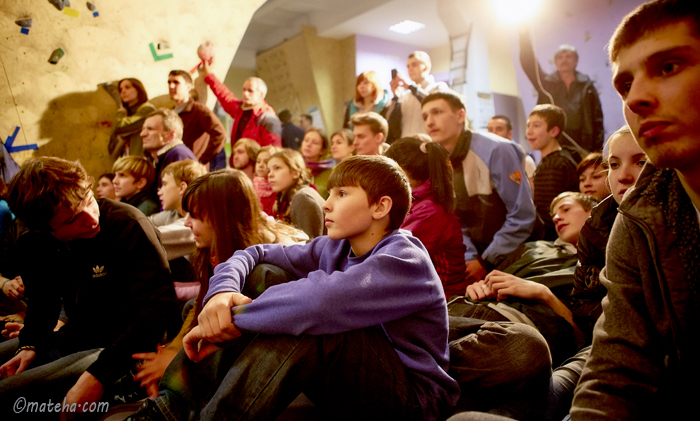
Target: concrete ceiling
x,y
278,20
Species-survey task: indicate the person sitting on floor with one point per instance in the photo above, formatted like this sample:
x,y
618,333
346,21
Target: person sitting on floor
x,y
133,176
223,215
103,261
557,170
432,218
535,281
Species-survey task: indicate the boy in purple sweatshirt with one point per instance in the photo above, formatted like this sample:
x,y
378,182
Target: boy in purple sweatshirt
x,y
361,326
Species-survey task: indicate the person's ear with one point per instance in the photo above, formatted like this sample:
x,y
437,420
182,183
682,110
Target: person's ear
x,y
461,115
183,187
382,207
380,137
296,175
141,184
554,131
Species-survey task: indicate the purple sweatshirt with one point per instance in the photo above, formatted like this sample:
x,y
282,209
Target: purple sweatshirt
x,y
393,285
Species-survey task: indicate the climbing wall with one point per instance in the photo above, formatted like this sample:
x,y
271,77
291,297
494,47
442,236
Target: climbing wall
x,y
60,109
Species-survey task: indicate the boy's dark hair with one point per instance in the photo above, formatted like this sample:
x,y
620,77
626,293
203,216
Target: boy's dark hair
x,y
650,17
586,201
553,115
509,125
377,124
41,185
594,159
284,116
137,167
378,176
452,98
308,117
185,75
423,161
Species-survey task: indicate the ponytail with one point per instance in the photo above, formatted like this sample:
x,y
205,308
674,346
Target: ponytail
x,y
423,161
441,175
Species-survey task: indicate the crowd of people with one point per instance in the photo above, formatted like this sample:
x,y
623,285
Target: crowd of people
x,y
405,267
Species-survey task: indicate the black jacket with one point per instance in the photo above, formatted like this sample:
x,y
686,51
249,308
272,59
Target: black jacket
x,y
115,288
584,114
588,292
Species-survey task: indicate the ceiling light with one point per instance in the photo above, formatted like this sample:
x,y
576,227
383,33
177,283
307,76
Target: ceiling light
x,y
406,27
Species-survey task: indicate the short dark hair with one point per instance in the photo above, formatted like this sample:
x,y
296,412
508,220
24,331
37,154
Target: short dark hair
x,y
377,124
452,98
308,117
586,201
41,185
378,176
650,17
185,75
509,125
284,116
553,115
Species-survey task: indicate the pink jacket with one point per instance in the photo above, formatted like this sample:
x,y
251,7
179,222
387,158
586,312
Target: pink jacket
x,y
441,235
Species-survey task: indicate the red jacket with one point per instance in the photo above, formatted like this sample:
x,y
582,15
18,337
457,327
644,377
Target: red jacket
x,y
264,126
441,235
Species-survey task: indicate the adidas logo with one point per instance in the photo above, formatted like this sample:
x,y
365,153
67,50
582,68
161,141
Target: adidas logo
x,y
99,271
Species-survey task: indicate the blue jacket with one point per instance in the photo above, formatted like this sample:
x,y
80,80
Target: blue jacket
x,y
393,285
493,198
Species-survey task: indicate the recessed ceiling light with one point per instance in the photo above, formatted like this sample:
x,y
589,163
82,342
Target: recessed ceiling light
x,y
406,27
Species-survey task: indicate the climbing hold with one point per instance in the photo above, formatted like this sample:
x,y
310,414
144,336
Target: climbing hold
x,y
56,55
24,23
60,4
71,12
91,7
156,56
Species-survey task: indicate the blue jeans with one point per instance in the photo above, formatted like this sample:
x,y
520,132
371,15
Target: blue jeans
x,y
348,375
562,384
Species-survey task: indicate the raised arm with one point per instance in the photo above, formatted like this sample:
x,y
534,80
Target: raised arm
x,y
528,60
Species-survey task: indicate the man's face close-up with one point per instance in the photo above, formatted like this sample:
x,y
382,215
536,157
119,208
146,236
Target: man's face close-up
x,y
658,78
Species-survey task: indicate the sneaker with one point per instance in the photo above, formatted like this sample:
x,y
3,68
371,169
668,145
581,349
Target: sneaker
x,y
147,412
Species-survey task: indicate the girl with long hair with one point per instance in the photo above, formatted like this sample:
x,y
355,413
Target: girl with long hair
x,y
342,145
262,186
432,218
297,202
224,215
133,109
314,148
369,96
